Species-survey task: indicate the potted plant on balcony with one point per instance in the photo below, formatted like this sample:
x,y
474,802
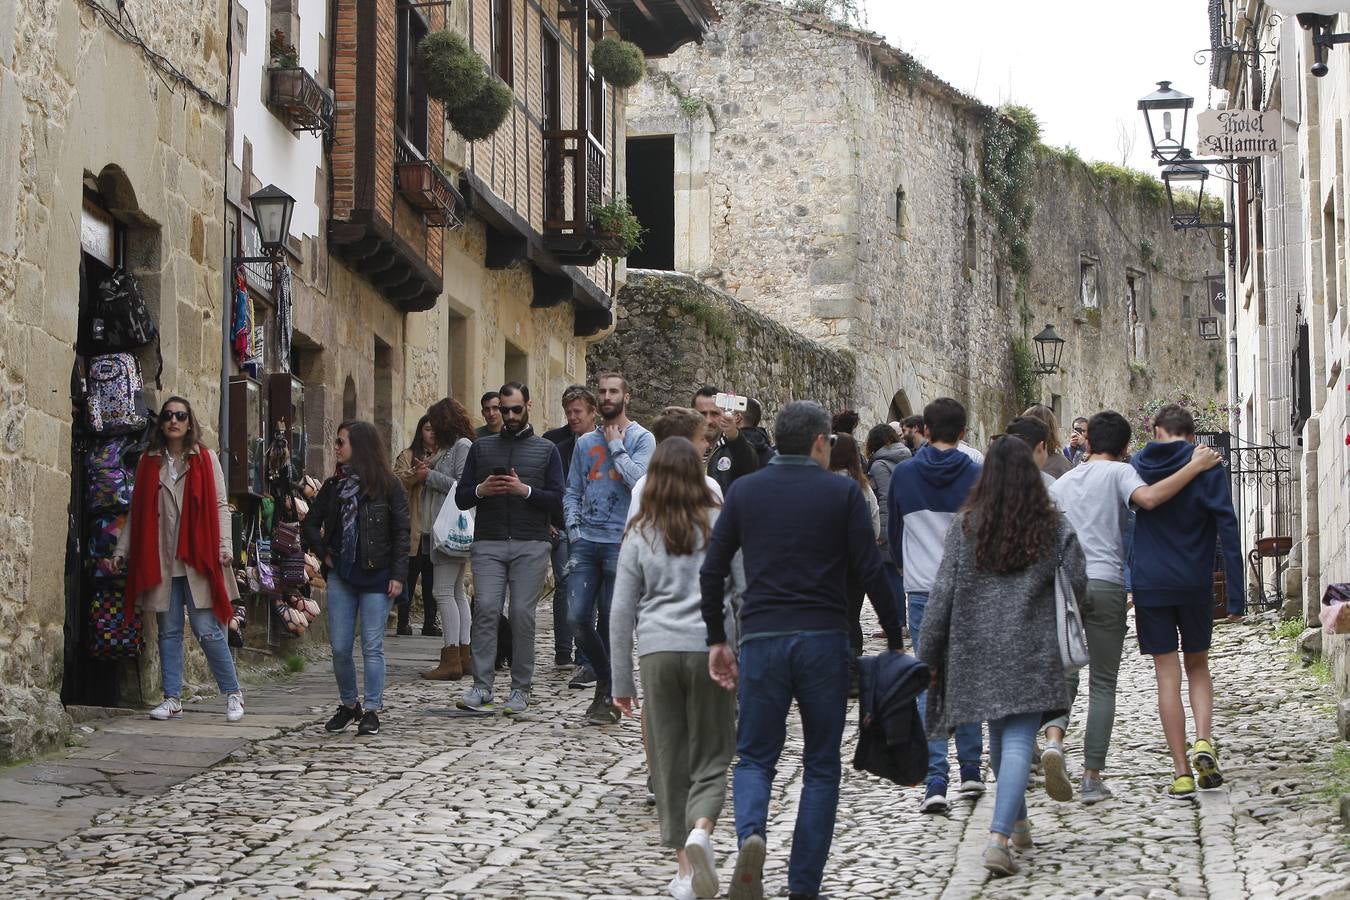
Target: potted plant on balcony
x,y
619,62
283,52
476,103
615,230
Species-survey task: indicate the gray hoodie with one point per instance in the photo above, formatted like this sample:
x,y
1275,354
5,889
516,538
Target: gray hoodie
x,y
660,595
879,472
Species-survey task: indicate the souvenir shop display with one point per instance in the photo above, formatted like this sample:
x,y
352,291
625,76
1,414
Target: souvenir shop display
x,y
109,472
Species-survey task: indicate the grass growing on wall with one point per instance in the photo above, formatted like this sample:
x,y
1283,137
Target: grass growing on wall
x,y
1026,387
1008,152
716,321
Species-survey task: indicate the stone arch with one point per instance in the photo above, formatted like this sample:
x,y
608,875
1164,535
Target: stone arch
x,y
348,399
901,407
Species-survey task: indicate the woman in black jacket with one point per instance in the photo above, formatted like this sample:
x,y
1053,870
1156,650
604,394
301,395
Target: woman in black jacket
x,y
358,525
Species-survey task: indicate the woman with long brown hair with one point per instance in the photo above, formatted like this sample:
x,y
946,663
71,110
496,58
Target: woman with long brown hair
x,y
690,721
1055,464
358,525
845,460
438,475
412,474
177,541
989,632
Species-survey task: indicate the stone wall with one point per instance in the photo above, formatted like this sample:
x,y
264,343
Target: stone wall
x,y
843,196
675,335
81,107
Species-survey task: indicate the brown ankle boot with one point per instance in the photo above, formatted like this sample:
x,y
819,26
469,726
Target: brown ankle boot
x,y
465,660
449,669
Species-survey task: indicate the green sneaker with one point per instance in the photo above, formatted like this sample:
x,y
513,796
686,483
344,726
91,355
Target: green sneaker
x,y
1205,760
1181,788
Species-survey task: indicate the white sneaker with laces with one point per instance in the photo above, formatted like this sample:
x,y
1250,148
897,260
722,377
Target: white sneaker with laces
x,y
171,708
698,848
681,887
234,707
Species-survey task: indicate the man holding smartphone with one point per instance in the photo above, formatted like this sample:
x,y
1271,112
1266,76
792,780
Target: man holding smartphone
x,y
514,478
731,455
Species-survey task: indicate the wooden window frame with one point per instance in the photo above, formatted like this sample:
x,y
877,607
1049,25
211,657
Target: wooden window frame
x,y
502,22
411,106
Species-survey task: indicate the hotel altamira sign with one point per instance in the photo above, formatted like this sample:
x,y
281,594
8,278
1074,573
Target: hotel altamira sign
x,y
1238,132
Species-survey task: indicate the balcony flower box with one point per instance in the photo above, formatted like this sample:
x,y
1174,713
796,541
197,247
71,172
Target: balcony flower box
x,y
423,184
307,105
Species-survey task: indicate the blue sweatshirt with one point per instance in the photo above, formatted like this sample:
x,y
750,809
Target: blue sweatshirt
x,y
600,483
803,532
926,493
1173,554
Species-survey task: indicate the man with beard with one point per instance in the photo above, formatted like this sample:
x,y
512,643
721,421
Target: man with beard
x,y
606,464
515,480
731,455
579,408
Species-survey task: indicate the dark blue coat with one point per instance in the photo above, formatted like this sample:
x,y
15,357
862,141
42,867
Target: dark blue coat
x,y
891,741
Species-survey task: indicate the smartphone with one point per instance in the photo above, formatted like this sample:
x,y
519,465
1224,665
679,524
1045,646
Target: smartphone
x,y
500,470
731,402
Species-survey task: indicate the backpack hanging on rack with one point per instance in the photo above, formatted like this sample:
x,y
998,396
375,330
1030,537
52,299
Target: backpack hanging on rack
x,y
112,395
121,320
109,474
112,632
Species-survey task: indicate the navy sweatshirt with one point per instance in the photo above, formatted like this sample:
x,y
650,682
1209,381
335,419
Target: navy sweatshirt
x,y
802,531
925,494
1173,559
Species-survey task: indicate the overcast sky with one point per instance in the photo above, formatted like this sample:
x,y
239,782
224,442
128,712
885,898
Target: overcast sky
x,y
1082,65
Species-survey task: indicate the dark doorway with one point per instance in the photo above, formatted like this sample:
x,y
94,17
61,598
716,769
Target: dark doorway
x,y
651,192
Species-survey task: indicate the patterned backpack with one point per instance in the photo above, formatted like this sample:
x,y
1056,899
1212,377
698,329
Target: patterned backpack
x,y
103,531
109,476
112,396
112,633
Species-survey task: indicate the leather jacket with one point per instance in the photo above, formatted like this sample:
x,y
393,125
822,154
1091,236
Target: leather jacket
x,y
381,527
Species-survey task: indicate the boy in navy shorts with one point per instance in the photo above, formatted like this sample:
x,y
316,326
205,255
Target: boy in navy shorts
x,y
1173,591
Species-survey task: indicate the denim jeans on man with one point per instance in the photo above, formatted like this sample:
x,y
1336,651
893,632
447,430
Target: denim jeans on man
x,y
969,737
209,634
810,667
1011,742
591,587
344,604
562,629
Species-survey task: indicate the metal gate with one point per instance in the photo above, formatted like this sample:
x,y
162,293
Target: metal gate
x,y
1262,482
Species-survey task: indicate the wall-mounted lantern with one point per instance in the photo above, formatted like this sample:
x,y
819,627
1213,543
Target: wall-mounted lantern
x,y
1167,141
1049,348
1209,327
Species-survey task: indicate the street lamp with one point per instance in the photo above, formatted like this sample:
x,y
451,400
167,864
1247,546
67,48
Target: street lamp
x,y
1049,346
1185,173
1319,17
1209,328
1157,108
272,209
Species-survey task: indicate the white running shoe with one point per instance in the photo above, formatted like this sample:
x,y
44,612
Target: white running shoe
x,y
681,887
171,708
234,707
698,848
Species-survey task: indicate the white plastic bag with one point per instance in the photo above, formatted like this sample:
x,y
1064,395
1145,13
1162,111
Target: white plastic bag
x,y
452,532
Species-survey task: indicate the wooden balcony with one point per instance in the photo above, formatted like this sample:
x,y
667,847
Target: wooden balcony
x,y
574,172
307,105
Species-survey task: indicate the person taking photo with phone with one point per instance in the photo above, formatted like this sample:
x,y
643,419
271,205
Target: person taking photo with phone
x,y
730,454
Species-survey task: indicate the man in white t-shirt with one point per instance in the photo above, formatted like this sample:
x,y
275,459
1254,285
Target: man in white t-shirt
x,y
1096,496
676,421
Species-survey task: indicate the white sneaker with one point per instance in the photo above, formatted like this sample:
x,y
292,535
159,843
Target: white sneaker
x,y
234,707
698,849
681,887
171,708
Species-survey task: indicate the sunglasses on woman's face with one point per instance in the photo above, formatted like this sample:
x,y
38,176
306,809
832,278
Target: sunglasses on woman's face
x,y
180,415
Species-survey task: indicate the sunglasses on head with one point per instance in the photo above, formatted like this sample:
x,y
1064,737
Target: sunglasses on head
x,y
167,414
512,410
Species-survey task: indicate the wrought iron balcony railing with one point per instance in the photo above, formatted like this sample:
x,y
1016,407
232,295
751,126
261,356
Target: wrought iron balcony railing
x,y
307,104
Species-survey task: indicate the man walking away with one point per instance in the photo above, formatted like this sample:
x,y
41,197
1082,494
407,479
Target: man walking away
x,y
1096,497
730,455
885,451
925,494
1034,433
747,422
1173,588
515,480
579,409
606,464
491,406
803,533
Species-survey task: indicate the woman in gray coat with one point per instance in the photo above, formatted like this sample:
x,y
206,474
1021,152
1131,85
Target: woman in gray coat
x,y
439,473
989,634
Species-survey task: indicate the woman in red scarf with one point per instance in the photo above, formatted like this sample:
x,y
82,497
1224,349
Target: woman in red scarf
x,y
176,548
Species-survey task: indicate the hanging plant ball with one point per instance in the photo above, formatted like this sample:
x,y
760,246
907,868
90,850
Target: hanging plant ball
x,y
619,62
452,73
485,113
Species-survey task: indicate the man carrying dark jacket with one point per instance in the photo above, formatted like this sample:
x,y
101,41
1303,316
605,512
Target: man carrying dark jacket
x,y
1173,582
515,480
803,532
730,455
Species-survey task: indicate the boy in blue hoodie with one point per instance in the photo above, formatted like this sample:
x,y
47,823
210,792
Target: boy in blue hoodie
x,y
925,494
1172,572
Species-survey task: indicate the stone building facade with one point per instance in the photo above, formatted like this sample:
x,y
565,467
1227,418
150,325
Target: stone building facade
x,y
828,181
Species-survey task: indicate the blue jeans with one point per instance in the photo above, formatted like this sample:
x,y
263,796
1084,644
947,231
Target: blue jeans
x,y
897,583
591,587
1011,742
344,602
969,738
562,629
812,668
209,634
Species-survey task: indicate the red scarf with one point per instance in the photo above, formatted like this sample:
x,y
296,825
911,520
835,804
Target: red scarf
x,y
198,531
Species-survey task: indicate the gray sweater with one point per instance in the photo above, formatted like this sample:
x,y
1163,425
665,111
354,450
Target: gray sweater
x,y
660,594
441,480
990,638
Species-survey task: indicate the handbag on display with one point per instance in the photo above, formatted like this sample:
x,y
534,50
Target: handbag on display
x,y
452,532
112,632
286,539
1073,648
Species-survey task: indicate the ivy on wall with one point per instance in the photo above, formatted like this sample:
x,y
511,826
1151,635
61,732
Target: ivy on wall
x,y
1008,153
1026,385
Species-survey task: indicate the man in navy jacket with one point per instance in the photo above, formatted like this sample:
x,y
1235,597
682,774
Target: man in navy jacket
x,y
802,531
1173,582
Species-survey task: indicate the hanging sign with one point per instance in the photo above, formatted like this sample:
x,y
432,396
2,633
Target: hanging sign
x,y
1238,132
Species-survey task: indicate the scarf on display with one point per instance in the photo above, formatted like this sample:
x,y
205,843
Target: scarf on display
x,y
349,500
285,319
198,531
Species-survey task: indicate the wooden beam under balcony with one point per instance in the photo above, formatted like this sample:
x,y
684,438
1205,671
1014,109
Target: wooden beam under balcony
x,y
550,290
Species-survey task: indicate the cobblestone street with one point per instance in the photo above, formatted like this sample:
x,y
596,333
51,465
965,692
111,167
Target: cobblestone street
x,y
545,807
